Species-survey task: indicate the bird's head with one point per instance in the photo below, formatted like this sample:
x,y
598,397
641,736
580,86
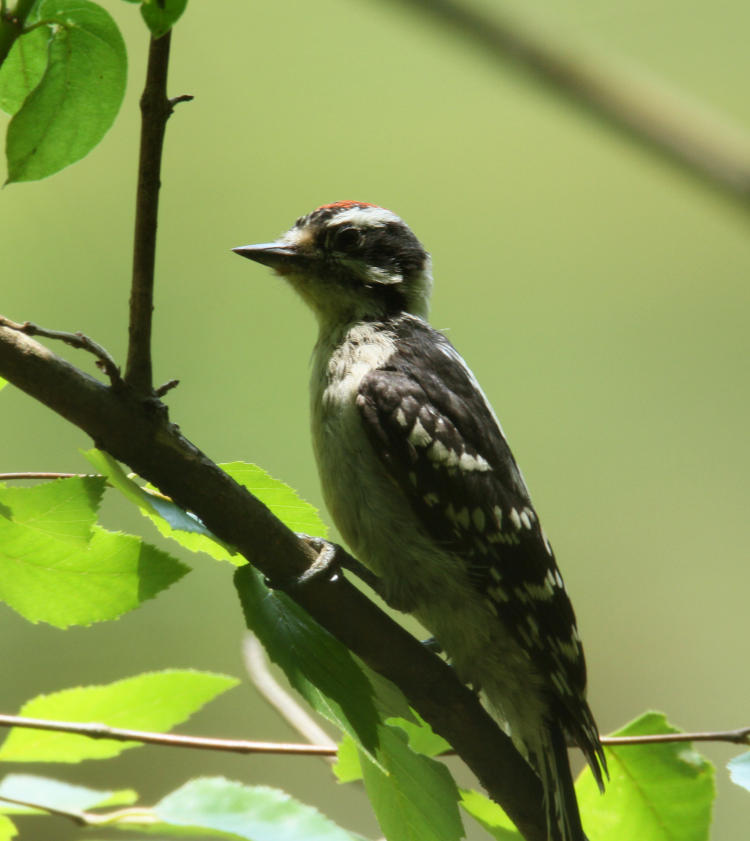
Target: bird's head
x,y
351,261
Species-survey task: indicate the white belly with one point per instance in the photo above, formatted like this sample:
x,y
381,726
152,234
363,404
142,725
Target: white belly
x,y
382,531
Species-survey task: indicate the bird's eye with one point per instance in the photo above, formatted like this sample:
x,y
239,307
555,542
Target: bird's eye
x,y
346,238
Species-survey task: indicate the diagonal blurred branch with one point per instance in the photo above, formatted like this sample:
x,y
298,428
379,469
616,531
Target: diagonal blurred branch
x,y
295,714
687,134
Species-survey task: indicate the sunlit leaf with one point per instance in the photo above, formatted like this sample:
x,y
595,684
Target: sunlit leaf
x,y
7,829
283,500
23,68
739,770
422,737
62,584
489,815
78,96
153,701
347,767
64,509
659,792
256,813
55,794
170,520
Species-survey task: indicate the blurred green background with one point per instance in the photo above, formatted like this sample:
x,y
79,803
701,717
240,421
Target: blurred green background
x,y
600,295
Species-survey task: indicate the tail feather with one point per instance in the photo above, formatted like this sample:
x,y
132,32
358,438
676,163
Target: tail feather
x,y
561,806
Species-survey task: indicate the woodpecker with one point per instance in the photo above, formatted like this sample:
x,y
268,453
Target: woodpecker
x,y
421,483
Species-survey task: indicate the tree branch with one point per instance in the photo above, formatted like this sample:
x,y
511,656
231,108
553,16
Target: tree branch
x,y
77,340
12,21
156,109
136,430
169,740
685,134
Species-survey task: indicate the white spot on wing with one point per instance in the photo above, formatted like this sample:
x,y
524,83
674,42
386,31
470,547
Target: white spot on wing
x,y
419,436
468,463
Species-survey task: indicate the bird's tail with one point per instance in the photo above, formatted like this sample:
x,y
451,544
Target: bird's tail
x,y
561,806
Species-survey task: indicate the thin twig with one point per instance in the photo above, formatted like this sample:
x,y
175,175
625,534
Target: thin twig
x,y
168,386
156,109
133,815
9,477
102,731
736,737
326,747
183,97
75,816
77,340
686,133
257,668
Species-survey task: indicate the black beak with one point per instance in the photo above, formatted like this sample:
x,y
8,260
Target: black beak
x,y
271,254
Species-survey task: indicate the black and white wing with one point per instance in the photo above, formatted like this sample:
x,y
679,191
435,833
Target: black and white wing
x,y
431,425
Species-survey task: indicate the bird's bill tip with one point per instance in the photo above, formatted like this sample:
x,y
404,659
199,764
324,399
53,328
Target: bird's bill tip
x,y
272,254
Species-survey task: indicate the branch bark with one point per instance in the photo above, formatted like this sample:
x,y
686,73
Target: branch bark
x,y
11,25
136,430
156,109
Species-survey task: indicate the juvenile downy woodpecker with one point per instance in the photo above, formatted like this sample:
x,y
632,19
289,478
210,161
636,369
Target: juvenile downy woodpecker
x,y
422,485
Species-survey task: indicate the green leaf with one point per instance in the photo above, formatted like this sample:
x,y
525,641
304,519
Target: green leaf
x,y
160,20
152,701
284,501
79,95
54,794
64,510
23,68
7,829
347,767
739,770
3,383
317,665
422,738
661,792
62,584
59,567
489,815
256,813
170,520
414,797
188,530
